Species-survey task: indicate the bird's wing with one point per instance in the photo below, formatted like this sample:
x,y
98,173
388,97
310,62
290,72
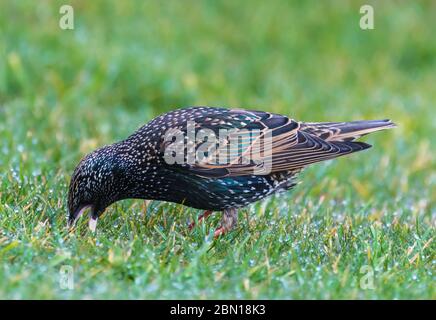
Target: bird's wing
x,y
345,131
266,143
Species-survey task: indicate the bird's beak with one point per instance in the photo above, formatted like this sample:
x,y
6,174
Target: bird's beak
x,y
77,214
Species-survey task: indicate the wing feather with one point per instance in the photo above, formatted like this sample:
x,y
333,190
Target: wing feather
x,y
284,144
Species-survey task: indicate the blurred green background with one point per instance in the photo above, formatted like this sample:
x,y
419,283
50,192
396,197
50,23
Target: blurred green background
x,y
64,93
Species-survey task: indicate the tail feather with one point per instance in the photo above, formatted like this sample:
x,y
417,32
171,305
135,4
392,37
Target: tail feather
x,y
345,131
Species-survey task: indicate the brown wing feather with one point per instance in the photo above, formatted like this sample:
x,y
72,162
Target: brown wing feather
x,y
292,145
345,131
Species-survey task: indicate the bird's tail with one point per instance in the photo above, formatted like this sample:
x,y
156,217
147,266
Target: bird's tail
x,y
345,131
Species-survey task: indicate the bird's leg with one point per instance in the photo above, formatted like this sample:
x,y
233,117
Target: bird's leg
x,y
206,214
228,222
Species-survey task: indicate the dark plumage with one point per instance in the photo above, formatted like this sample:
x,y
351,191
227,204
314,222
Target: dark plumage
x,y
136,167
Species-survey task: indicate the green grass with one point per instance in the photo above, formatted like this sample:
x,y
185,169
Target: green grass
x,y
64,93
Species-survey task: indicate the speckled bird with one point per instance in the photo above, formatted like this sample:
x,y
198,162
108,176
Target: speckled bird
x,y
137,167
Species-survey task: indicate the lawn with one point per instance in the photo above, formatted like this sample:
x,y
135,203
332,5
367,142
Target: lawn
x,y
358,227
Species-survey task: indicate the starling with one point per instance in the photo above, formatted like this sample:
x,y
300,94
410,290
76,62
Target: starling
x,y
214,159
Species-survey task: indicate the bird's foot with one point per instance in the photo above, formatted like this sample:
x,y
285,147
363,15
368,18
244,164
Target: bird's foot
x,y
219,232
202,217
229,222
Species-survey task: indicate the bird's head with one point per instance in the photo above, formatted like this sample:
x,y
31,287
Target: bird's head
x,y
97,182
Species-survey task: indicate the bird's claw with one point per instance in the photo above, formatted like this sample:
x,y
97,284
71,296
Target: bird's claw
x,y
219,232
